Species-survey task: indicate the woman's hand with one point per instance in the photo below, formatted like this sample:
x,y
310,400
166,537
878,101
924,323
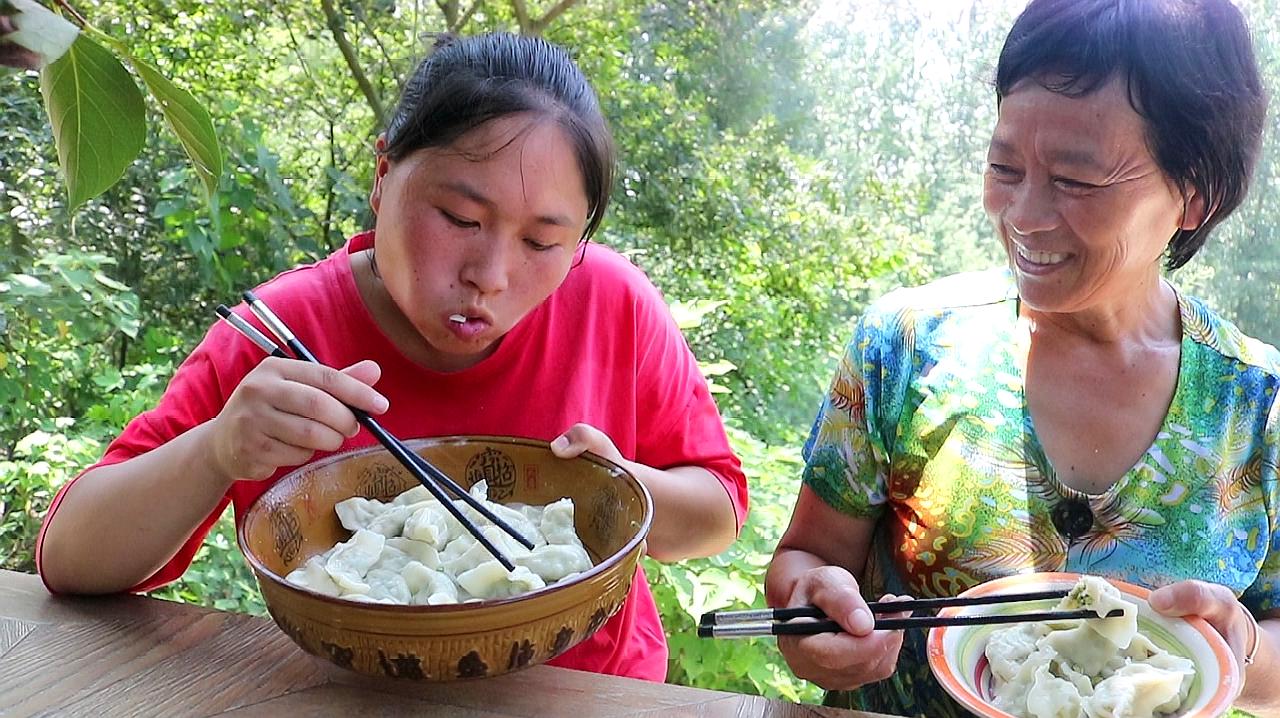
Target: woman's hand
x,y
284,411
585,437
1215,604
839,661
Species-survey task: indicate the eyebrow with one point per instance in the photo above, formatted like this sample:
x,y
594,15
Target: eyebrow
x,y
1073,158
476,196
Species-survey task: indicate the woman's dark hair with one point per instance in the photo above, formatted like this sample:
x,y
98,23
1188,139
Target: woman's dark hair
x,y
466,82
1191,75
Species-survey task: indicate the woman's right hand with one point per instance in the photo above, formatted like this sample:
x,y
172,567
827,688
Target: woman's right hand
x,y
839,661
285,410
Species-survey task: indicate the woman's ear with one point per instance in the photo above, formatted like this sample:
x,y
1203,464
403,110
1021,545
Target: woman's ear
x,y
379,171
1194,210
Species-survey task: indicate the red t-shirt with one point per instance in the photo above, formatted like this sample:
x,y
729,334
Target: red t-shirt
x,y
602,349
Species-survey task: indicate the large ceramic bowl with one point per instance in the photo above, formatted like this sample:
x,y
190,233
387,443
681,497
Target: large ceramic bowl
x,y
958,660
295,520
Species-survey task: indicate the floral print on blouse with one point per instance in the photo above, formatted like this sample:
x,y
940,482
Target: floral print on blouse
x,y
926,427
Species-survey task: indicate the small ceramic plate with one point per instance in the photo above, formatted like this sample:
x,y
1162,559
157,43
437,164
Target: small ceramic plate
x,y
957,654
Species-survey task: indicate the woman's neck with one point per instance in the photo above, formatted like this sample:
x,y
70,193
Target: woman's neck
x,y
1147,316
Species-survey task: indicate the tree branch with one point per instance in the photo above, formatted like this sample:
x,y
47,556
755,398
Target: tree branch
x,y
461,22
334,21
541,23
67,6
450,10
522,17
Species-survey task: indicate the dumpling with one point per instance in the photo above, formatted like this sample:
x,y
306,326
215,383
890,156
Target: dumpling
x,y
1095,594
312,576
412,550
1135,691
1096,668
351,560
1053,697
385,583
429,587
423,553
553,561
1082,648
429,524
1007,649
557,523
356,513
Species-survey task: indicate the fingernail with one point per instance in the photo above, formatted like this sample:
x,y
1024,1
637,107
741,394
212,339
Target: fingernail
x,y
862,621
382,404
560,444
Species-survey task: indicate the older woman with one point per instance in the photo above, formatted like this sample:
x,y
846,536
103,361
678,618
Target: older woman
x,y
1075,411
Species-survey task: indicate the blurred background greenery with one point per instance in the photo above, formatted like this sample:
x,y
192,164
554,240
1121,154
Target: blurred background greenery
x,y
782,161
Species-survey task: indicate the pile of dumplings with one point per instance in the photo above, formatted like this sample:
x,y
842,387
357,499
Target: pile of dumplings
x,y
1096,668
412,551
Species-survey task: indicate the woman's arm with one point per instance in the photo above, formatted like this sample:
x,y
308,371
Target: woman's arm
x,y
815,564
692,513
116,525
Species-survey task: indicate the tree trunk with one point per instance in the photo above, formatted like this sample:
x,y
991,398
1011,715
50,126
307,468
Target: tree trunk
x,y
334,21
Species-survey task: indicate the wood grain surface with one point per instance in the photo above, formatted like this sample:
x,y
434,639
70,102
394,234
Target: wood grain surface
x,y
138,656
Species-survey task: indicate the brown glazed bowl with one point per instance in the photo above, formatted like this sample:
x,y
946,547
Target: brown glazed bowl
x,y
295,520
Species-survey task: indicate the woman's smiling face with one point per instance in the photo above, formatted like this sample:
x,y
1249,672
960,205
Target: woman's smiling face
x,y
1076,197
472,236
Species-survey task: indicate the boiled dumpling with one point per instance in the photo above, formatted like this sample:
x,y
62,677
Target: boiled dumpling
x,y
1135,691
1052,697
1095,668
356,513
351,560
1095,594
412,550
313,577
555,561
557,523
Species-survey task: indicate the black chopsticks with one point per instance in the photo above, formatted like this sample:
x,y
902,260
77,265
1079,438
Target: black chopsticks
x,y
421,469
780,621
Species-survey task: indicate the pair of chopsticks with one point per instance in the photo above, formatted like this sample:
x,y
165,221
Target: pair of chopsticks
x,y
781,621
421,469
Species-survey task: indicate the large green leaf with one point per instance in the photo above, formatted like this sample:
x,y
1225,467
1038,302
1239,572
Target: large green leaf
x,y
97,115
190,122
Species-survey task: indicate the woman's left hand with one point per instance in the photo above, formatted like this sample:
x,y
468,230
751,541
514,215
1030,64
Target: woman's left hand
x,y
1215,604
585,437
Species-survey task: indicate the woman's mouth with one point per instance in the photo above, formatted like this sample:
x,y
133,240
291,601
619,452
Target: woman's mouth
x,y
466,327
1035,261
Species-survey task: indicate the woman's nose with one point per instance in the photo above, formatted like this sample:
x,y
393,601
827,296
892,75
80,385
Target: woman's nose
x,y
486,266
1030,210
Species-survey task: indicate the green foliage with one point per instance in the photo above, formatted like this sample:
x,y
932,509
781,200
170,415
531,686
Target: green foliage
x,y
219,576
97,116
780,164
39,464
734,579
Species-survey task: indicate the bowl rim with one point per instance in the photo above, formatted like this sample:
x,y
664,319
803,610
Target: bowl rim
x,y
618,556
1218,703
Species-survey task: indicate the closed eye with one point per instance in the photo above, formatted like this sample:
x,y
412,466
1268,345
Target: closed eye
x,y
537,246
1072,185
1003,173
457,221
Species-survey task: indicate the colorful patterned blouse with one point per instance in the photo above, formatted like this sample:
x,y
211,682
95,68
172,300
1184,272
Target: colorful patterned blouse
x,y
926,427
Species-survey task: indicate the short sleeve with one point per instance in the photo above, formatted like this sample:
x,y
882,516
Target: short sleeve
x,y
678,423
1263,595
847,453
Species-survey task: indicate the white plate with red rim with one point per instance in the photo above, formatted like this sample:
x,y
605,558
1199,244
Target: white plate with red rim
x,y
958,660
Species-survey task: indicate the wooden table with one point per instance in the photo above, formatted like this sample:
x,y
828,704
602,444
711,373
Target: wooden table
x,y
138,656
